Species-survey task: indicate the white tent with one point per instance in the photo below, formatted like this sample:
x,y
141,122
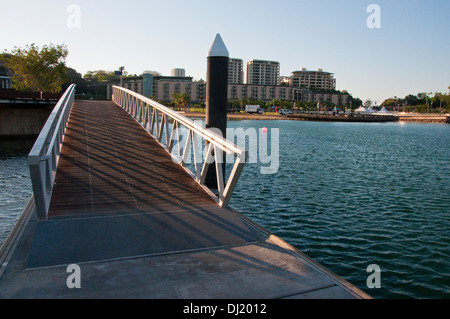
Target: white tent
x,y
360,110
383,111
370,110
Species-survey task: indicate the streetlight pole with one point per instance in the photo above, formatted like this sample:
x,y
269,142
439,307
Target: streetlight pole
x,y
121,74
431,103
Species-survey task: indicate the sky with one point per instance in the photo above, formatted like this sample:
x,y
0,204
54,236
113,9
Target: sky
x,y
402,47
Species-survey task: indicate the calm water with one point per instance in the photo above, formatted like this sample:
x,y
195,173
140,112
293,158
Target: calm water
x,y
15,183
354,194
347,194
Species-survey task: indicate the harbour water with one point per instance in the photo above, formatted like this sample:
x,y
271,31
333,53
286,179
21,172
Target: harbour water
x,y
349,195
15,183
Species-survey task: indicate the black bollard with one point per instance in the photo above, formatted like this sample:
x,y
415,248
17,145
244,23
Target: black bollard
x,y
216,98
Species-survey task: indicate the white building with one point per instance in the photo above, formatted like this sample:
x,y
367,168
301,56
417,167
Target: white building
x,y
235,71
260,92
284,93
261,72
313,79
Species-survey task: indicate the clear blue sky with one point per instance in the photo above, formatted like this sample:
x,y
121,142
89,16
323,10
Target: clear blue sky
x,y
410,53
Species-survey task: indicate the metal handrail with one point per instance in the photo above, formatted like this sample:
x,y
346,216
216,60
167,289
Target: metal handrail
x,y
44,156
155,117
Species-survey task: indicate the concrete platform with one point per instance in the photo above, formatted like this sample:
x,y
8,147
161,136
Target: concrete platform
x,y
77,240
253,265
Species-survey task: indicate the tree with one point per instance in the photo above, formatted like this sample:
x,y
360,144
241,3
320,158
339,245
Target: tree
x,y
72,76
181,100
368,103
388,102
99,76
154,73
35,69
422,102
422,97
356,102
411,100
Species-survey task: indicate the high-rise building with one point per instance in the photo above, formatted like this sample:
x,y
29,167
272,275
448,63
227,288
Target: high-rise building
x,y
178,72
261,72
235,71
313,79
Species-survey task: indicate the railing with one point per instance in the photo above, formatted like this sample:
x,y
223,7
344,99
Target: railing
x,y
44,156
155,118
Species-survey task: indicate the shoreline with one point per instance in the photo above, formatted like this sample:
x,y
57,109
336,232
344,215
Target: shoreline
x,y
425,118
401,118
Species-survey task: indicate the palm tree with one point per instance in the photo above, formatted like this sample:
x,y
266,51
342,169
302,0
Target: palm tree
x,y
181,100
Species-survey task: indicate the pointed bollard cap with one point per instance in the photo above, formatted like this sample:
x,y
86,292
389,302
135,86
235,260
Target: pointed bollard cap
x,y
218,48
216,100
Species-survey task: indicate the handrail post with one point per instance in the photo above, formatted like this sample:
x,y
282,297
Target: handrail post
x,y
234,176
38,190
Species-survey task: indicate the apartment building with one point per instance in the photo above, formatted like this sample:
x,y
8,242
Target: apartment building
x,y
260,92
313,79
235,71
284,93
135,84
261,72
165,87
335,98
162,88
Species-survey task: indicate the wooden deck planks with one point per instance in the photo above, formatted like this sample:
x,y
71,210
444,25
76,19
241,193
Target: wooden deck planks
x,y
110,164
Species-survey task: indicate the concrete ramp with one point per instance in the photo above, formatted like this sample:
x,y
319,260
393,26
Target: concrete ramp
x,y
77,240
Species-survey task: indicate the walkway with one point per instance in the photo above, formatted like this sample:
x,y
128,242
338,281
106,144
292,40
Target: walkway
x,y
140,227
